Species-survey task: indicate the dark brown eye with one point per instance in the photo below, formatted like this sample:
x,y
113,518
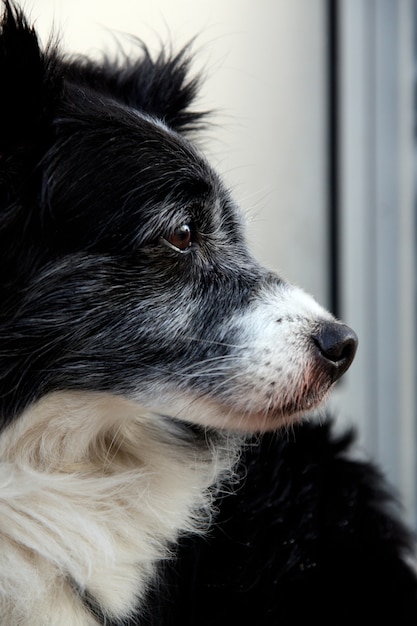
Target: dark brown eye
x,y
181,238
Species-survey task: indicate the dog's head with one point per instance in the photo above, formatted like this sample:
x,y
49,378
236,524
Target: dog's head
x,y
124,266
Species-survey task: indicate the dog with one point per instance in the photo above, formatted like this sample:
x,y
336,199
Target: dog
x,y
140,341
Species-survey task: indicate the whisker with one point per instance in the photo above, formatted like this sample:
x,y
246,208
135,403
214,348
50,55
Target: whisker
x,y
225,344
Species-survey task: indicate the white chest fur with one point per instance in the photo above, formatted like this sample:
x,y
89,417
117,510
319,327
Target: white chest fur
x,y
92,494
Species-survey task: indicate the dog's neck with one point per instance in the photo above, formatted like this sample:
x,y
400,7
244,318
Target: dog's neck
x,y
94,493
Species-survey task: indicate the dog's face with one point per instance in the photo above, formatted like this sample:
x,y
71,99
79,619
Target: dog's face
x,y
124,262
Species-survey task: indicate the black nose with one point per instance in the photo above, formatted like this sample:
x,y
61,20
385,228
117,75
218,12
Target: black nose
x,y
337,345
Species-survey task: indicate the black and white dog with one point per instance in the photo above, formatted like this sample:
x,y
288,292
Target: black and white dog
x,y
140,342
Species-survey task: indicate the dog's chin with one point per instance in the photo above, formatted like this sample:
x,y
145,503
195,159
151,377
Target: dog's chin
x,y
209,414
271,419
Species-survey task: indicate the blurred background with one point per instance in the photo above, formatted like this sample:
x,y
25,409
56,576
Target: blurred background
x,y
313,129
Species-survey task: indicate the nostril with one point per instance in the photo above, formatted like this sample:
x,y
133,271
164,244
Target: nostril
x,y
337,343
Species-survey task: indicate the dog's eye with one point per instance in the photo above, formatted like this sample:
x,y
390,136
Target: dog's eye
x,y
180,239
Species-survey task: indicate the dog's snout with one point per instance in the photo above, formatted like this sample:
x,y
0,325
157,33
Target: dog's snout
x,y
337,345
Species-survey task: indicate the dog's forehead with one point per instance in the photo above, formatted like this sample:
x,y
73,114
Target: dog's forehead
x,y
130,148
173,153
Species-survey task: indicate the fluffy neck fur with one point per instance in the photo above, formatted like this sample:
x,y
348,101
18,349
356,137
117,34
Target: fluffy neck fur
x,y
93,492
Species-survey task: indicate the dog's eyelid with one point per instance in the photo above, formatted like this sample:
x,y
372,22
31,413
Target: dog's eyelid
x,y
175,248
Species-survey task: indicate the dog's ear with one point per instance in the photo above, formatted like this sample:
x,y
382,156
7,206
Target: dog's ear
x,y
163,87
29,86
159,86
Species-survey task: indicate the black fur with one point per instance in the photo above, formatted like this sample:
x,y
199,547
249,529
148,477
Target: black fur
x,y
310,536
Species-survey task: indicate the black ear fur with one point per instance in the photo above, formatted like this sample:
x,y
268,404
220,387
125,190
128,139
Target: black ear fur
x,y
159,86
162,87
29,85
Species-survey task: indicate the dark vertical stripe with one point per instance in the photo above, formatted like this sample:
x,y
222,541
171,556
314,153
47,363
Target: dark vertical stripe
x,y
333,156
